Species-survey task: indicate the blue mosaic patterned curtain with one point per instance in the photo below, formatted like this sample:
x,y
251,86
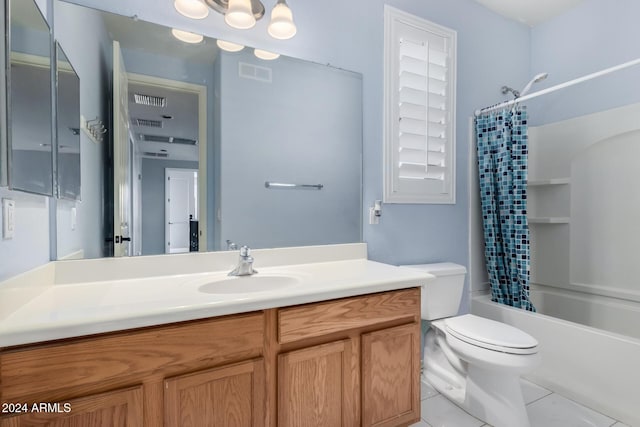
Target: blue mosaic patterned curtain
x,y
502,166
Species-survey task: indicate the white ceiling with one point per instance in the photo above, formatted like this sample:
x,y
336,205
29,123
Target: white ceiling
x,y
530,12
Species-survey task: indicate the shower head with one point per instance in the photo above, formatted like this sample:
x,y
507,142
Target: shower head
x,y
506,89
536,79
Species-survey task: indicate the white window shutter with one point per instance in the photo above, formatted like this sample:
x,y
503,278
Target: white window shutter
x,y
419,110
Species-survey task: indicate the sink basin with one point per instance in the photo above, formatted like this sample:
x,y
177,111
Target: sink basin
x,y
248,284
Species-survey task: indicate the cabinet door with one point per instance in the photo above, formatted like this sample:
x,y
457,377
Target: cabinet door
x,y
391,376
122,408
229,396
316,387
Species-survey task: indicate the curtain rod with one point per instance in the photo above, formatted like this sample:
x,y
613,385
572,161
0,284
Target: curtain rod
x,y
559,86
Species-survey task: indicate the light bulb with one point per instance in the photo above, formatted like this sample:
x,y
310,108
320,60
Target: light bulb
x,y
193,9
281,25
186,36
239,14
265,54
229,46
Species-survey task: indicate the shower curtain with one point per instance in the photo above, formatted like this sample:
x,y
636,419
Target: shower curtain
x,y
502,166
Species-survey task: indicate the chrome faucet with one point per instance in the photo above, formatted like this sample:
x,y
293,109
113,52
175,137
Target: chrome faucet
x,y
245,264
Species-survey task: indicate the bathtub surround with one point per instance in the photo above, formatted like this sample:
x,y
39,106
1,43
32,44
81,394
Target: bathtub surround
x,y
501,138
593,252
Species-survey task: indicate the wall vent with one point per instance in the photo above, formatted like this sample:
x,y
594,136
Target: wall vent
x,y
149,100
255,72
148,123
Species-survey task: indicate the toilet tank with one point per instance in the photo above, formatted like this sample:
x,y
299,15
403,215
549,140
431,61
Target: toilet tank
x,y
441,297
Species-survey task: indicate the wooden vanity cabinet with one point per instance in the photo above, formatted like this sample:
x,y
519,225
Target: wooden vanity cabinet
x,y
114,408
346,362
350,362
160,372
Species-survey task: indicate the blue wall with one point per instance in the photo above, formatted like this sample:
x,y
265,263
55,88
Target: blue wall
x,y
304,127
591,37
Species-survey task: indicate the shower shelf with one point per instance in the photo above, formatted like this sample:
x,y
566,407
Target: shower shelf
x,y
549,220
552,181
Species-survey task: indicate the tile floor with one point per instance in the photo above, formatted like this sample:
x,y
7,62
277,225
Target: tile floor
x,y
546,409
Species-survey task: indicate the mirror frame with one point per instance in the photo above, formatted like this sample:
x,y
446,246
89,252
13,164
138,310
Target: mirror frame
x,y
6,145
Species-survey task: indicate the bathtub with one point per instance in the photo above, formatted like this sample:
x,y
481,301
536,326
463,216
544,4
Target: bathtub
x,y
595,367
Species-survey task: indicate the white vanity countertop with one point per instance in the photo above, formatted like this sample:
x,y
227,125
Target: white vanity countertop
x,y
77,309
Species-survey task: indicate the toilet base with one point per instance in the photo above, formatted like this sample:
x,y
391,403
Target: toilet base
x,y
495,398
496,401
490,394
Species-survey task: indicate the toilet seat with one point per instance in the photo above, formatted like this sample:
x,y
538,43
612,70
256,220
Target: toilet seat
x,y
490,335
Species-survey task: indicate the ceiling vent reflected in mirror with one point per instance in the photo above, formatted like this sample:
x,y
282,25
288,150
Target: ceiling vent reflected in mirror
x,y
148,123
167,139
150,100
151,154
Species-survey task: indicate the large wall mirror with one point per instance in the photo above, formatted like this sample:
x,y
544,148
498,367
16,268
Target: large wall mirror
x,y
205,149
29,129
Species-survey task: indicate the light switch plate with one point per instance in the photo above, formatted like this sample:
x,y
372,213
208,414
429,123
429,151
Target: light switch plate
x,y
8,218
373,218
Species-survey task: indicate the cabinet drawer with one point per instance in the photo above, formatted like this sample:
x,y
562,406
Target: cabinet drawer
x,y
118,359
313,320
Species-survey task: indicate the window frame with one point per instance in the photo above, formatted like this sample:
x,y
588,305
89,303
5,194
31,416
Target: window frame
x,y
393,18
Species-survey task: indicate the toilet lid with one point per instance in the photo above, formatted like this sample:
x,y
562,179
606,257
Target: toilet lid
x,y
491,334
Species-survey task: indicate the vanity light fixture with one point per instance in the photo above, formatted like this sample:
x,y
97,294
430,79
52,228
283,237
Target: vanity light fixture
x,y
240,15
229,46
187,37
194,9
265,54
243,14
281,26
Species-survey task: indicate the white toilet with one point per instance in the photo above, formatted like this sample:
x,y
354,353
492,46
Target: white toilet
x,y
475,362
